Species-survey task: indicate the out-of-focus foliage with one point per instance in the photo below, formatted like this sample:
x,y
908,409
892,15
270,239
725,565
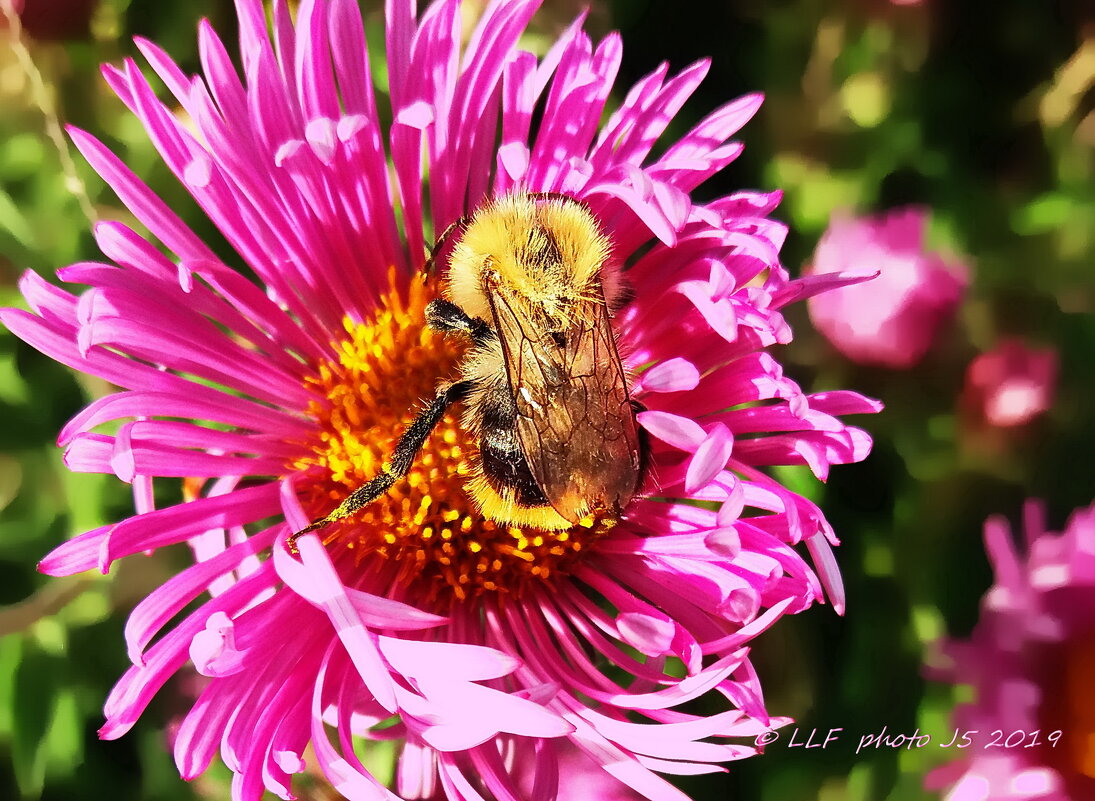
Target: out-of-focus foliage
x,y
985,117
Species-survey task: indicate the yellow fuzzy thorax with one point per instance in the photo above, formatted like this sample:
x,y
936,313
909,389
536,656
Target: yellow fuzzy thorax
x,y
428,525
545,254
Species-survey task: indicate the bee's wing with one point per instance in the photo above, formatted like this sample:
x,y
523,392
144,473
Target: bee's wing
x,y
574,418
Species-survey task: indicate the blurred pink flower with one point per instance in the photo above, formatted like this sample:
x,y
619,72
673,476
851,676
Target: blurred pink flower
x,y
485,650
56,20
1012,383
892,319
1030,661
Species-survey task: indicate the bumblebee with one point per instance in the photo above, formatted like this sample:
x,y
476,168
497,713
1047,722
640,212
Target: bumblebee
x,y
542,386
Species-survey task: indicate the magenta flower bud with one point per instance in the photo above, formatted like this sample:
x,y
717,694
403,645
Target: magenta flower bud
x,y
1012,384
892,319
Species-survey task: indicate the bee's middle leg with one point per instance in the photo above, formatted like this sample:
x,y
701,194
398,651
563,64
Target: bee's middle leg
x,y
637,407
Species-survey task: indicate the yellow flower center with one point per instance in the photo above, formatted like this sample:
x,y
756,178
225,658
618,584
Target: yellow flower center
x,y
385,372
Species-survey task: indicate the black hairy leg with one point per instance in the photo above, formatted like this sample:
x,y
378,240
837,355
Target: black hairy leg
x,y
410,443
644,447
446,317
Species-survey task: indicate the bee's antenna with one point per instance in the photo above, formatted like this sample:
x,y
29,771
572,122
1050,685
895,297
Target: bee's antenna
x,y
560,196
433,250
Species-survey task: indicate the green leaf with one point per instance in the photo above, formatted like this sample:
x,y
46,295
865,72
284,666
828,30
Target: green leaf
x,y
11,648
22,156
13,389
1046,212
33,707
798,478
64,743
13,221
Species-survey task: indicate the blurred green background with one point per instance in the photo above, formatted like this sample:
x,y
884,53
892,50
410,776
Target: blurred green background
x,y
983,112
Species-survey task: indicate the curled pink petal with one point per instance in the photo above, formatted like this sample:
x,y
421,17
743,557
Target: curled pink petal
x,y
672,429
710,458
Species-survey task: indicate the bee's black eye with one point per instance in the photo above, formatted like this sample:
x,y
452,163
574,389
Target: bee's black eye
x,y
559,338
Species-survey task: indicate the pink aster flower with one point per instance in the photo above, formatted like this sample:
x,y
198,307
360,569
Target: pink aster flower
x,y
486,650
892,319
1030,661
1012,384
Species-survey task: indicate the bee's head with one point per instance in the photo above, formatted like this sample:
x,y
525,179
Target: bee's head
x,y
542,254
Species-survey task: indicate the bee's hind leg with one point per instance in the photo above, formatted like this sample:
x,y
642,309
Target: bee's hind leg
x,y
410,443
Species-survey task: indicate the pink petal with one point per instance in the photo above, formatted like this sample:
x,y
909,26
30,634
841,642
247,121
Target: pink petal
x,y
672,429
438,661
710,458
213,650
315,579
649,634
672,375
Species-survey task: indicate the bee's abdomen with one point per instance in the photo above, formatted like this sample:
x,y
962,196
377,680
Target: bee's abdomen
x,y
505,467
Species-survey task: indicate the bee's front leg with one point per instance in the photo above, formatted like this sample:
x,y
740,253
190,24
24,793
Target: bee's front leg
x,y
446,317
